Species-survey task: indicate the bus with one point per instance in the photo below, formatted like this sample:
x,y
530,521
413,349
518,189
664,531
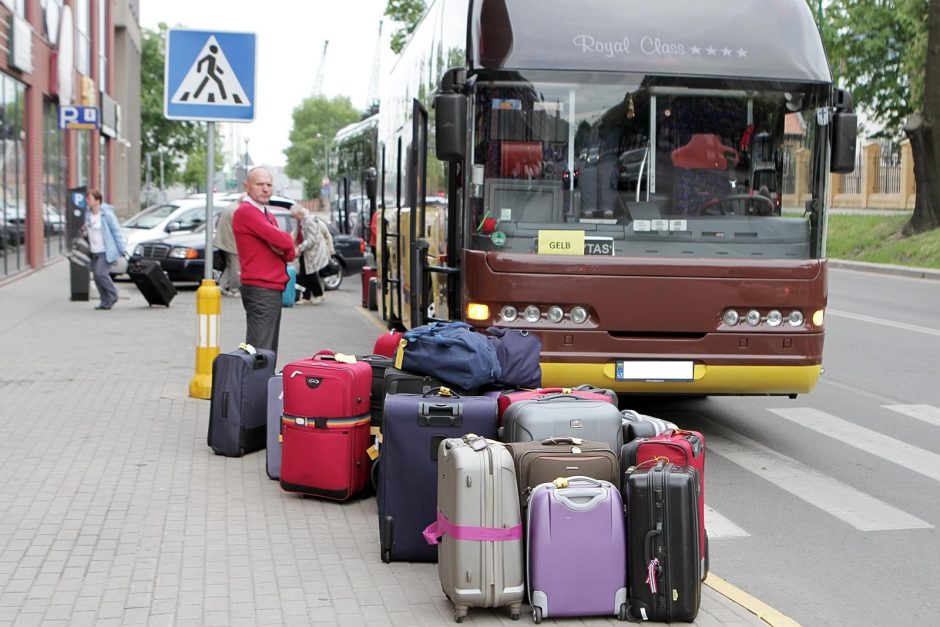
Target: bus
x,y
354,173
606,175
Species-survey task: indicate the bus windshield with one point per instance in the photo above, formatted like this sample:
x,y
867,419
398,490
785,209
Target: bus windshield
x,y
643,166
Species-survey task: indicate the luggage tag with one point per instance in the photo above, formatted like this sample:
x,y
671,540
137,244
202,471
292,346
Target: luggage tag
x,y
344,359
372,452
475,442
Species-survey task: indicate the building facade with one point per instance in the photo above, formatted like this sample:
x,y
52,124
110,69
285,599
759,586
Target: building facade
x,y
56,53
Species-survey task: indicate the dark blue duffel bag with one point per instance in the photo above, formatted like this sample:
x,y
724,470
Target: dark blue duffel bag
x,y
450,351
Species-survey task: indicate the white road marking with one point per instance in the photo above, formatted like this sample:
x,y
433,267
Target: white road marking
x,y
883,322
860,510
864,439
925,413
719,527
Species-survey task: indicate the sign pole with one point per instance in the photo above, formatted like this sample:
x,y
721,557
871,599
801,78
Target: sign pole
x,y
208,296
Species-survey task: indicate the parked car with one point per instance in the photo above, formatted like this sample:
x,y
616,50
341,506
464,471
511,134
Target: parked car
x,y
156,222
182,256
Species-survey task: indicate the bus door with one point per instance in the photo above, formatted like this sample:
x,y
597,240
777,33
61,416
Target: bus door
x,y
391,247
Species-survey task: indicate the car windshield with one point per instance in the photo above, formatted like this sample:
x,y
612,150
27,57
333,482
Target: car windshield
x,y
150,218
640,165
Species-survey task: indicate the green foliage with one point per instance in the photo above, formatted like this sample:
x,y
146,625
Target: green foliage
x,y
407,13
878,239
877,50
316,121
194,176
176,139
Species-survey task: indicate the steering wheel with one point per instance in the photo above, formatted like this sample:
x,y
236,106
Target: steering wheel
x,y
751,205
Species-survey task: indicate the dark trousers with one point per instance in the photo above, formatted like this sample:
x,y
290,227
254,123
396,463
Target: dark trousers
x,y
310,282
263,315
100,271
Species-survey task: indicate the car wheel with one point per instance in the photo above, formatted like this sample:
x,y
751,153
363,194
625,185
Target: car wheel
x,y
333,282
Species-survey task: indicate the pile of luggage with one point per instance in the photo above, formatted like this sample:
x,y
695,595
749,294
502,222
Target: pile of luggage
x,y
514,490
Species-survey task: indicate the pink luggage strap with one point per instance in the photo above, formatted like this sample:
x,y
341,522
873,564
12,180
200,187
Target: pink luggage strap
x,y
437,529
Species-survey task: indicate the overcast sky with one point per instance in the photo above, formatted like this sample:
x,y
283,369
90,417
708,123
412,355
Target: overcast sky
x,y
290,45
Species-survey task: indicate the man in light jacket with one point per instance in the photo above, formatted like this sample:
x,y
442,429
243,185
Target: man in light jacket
x,y
230,281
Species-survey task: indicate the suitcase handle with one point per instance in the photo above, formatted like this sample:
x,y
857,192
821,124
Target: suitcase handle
x,y
441,391
648,541
440,415
593,495
562,440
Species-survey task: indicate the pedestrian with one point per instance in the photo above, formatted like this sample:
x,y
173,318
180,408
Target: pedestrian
x,y
106,244
264,251
314,247
224,240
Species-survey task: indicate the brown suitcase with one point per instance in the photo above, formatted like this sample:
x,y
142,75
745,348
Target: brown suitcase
x,y
548,459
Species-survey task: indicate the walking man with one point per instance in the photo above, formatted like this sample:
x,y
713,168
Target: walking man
x,y
264,250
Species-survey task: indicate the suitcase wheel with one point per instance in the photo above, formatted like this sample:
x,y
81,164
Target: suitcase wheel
x,y
537,615
387,556
623,612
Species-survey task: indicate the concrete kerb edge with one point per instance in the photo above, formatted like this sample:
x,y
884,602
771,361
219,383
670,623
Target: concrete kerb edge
x,y
755,606
884,268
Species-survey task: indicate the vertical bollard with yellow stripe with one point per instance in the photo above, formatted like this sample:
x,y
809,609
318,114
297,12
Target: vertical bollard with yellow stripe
x,y
208,310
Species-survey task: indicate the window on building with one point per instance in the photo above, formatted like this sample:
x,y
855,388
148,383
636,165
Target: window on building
x,y
51,13
82,37
17,6
83,158
13,218
53,177
103,165
103,45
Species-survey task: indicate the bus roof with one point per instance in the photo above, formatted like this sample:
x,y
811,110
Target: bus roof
x,y
751,39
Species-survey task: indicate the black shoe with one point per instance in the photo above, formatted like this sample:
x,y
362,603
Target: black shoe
x,y
102,306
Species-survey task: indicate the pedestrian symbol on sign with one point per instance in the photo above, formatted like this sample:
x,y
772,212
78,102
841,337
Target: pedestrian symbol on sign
x,y
211,80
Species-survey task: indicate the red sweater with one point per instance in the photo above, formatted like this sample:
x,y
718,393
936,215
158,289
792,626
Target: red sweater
x,y
263,248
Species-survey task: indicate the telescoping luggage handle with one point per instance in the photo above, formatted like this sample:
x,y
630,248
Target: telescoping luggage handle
x,y
431,414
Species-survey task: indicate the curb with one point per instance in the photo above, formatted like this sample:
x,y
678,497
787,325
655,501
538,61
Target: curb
x,y
755,606
884,268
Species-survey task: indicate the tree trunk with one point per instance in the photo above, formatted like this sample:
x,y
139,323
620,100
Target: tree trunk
x,y
925,142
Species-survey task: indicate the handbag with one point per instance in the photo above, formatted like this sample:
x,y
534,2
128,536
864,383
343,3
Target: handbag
x,y
80,254
330,268
518,352
450,351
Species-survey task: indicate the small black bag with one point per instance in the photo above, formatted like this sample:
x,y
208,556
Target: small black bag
x,y
330,269
218,260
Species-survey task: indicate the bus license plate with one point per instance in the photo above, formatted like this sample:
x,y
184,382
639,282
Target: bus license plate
x,y
655,370
599,246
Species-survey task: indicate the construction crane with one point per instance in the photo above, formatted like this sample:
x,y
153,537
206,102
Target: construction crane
x,y
372,98
318,82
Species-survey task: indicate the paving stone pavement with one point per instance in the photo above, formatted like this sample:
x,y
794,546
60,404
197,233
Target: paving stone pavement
x,y
113,511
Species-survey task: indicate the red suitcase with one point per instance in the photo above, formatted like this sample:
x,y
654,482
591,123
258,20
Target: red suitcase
x,y
387,343
323,387
325,457
367,273
506,399
683,448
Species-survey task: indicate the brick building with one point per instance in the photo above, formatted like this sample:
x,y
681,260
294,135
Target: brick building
x,y
64,52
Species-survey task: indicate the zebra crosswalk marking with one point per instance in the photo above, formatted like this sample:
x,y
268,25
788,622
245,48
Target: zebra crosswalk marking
x,y
860,510
925,413
864,439
719,527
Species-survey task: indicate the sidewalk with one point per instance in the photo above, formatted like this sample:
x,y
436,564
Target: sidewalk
x,y
113,511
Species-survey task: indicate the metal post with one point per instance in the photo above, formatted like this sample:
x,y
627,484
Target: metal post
x,y
208,296
161,171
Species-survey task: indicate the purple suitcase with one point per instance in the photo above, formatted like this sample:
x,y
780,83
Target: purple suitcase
x,y
577,549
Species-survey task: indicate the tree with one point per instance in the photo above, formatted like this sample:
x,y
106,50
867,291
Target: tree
x,y
194,175
408,13
316,121
174,138
885,52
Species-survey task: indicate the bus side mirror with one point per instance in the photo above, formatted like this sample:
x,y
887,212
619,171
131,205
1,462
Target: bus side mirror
x,y
450,126
371,175
844,139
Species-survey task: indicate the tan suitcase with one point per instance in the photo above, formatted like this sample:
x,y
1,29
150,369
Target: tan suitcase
x,y
479,526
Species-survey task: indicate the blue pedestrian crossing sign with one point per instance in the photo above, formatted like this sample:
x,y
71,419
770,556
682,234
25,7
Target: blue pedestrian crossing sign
x,y
209,76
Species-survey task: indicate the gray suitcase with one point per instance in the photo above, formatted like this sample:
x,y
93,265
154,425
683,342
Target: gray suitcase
x,y
561,415
478,501
275,411
237,410
637,425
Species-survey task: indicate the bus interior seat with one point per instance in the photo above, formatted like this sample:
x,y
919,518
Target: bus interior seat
x,y
700,174
704,152
520,160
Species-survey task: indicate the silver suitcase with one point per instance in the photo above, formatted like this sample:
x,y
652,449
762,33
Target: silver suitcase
x,y
478,504
637,425
568,416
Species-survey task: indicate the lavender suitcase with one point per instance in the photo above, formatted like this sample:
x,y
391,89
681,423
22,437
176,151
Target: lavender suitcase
x,y
561,415
275,411
479,526
577,553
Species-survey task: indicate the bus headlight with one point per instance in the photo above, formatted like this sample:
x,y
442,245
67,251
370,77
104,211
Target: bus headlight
x,y
532,314
579,315
795,319
509,313
753,317
818,317
731,317
774,318
556,313
478,311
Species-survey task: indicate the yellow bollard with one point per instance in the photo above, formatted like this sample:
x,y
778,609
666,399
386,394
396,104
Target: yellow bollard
x,y
208,310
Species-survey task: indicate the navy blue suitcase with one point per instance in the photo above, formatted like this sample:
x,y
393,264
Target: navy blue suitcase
x,y
413,427
238,413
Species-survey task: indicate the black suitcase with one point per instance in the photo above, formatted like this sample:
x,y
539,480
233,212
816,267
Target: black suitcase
x,y
379,363
663,553
238,410
152,281
402,382
413,427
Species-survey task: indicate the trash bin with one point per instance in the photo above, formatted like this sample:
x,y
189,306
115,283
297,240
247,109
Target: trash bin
x,y
75,217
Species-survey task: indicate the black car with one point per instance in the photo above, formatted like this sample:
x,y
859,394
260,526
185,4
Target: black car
x,y
182,256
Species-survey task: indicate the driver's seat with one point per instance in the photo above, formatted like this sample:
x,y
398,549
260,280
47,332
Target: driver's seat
x,y
699,173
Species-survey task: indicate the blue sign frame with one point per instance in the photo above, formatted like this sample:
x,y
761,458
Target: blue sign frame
x,y
210,76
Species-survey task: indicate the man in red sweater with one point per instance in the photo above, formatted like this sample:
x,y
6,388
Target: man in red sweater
x,y
264,249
